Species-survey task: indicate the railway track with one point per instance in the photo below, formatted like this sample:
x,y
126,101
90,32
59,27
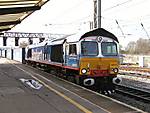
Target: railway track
x,y
136,70
130,68
136,93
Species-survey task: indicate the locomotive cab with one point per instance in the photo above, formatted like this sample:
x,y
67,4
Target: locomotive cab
x,y
98,55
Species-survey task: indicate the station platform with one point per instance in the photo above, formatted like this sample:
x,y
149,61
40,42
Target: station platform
x,y
54,96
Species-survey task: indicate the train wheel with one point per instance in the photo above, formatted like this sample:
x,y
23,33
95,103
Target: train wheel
x,y
79,80
71,78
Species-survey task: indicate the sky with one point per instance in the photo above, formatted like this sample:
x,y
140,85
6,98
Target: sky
x,y
72,16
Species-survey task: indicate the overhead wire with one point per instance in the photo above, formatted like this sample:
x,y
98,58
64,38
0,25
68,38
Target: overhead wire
x,y
117,5
76,22
73,22
145,30
123,3
127,23
68,10
80,21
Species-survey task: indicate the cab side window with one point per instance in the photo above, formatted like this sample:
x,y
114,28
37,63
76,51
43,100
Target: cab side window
x,y
29,53
72,50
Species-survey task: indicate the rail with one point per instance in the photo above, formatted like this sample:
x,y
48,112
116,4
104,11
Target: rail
x,y
133,92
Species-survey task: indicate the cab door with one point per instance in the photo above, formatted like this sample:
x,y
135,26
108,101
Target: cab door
x,y
72,59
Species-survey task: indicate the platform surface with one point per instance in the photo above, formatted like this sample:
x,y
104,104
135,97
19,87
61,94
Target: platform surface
x,y
55,95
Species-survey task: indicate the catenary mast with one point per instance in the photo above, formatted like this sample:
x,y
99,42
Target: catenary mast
x,y
97,13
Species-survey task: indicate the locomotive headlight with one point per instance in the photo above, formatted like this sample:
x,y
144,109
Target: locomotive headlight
x,y
115,70
84,71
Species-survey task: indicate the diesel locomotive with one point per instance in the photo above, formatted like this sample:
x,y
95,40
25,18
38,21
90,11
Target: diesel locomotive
x,y
90,59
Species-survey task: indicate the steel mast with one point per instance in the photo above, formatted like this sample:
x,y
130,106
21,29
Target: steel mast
x,y
97,13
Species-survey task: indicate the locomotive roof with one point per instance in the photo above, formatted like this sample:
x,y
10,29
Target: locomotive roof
x,y
95,32
100,32
78,37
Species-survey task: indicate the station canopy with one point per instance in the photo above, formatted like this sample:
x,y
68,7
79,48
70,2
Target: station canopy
x,y
12,12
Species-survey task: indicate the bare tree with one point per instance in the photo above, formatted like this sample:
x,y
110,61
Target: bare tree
x,y
141,46
131,47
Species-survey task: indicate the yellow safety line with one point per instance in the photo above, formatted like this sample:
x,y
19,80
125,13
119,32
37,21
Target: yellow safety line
x,y
59,93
